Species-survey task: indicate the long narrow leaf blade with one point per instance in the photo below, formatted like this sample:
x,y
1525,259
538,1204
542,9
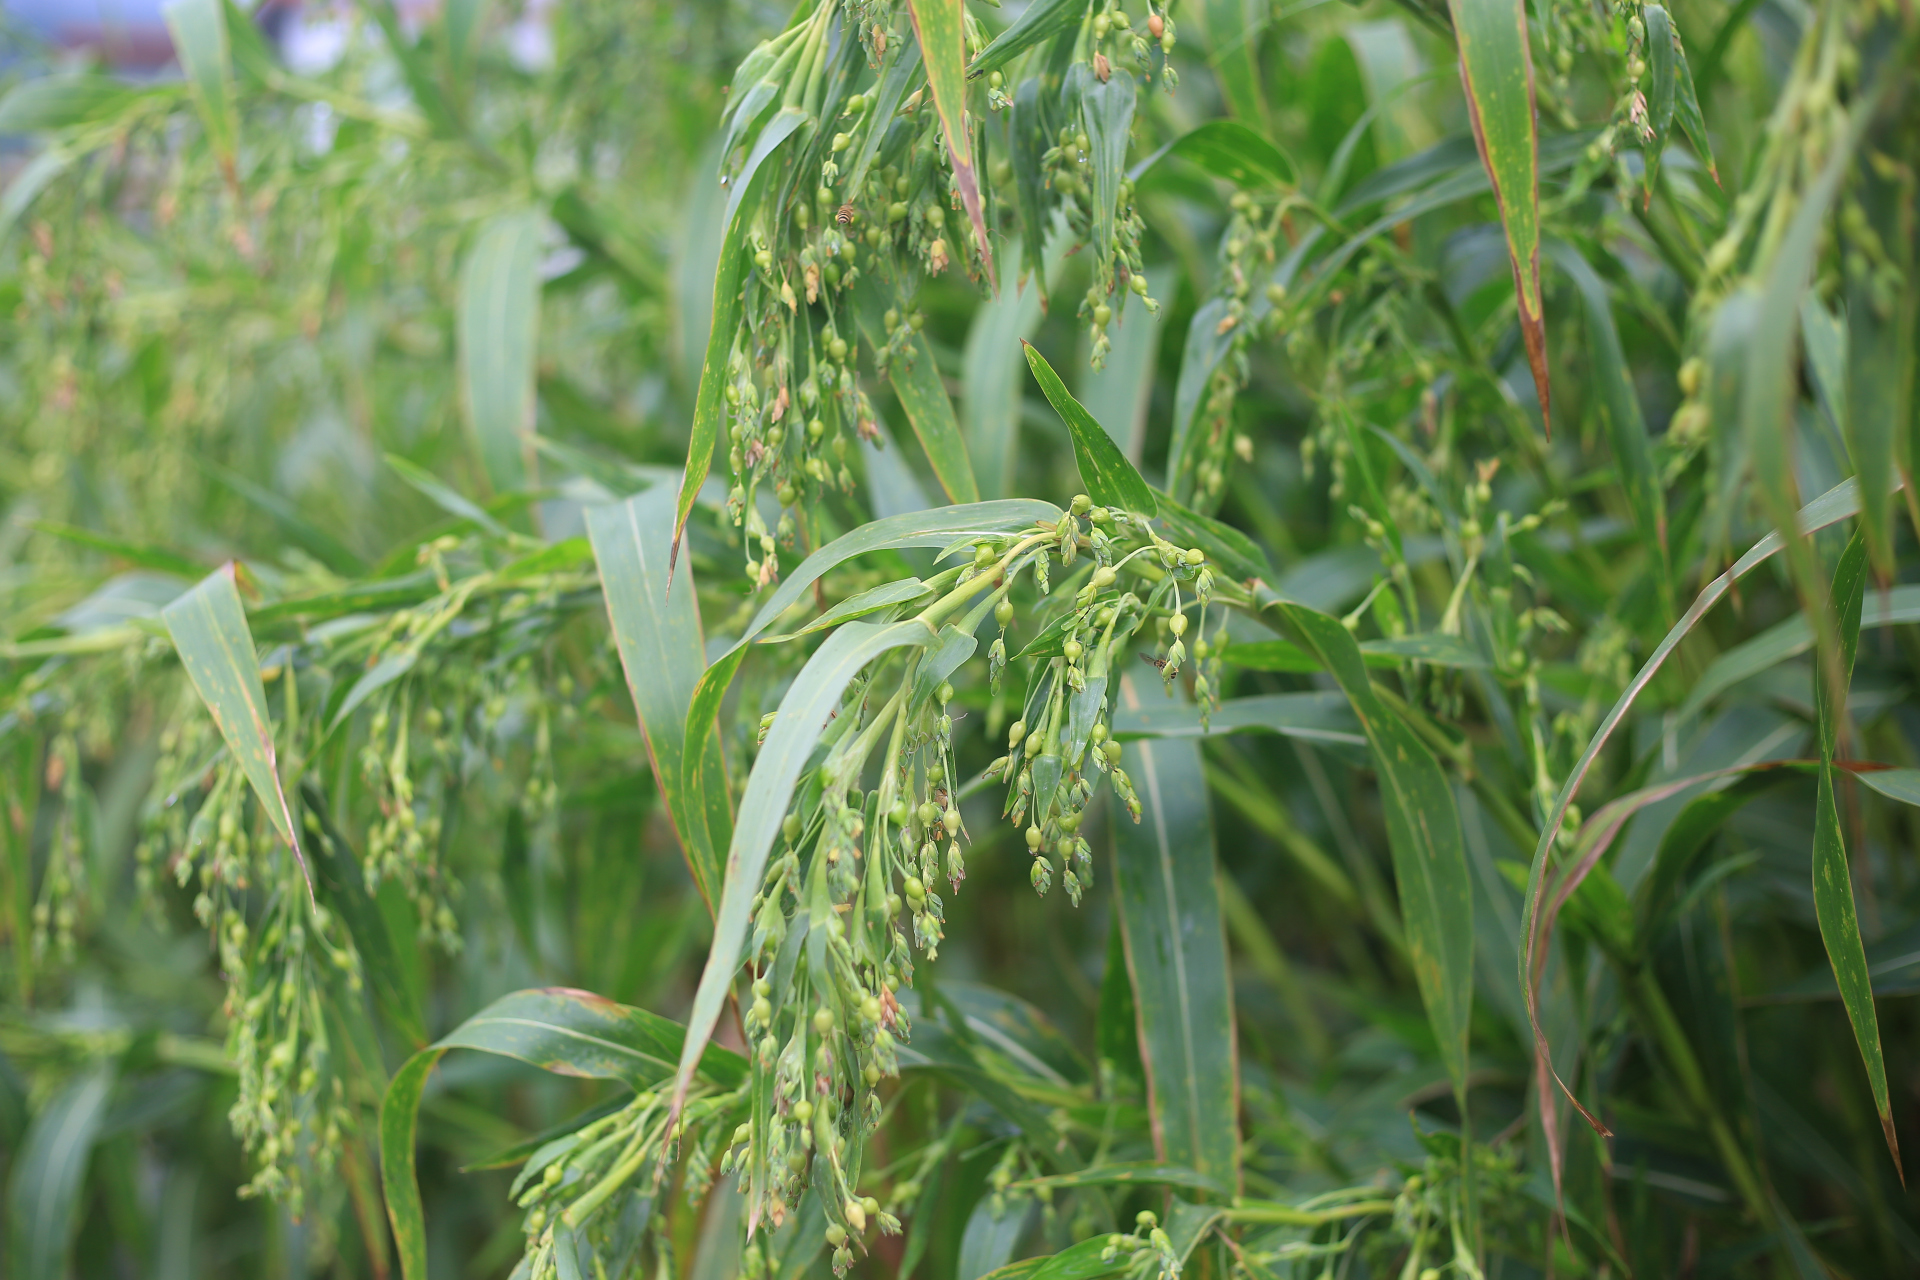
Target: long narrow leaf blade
x,y
499,334
940,26
572,1033
1496,71
199,31
1833,904
49,1173
1169,906
797,726
1424,835
662,656
709,405
209,629
1111,480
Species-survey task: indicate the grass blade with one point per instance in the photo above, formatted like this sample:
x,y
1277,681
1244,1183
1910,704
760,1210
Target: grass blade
x,y
709,405
1229,149
658,637
1662,74
49,1171
1686,108
60,102
797,726
1110,479
1318,716
1232,39
499,336
199,31
1107,107
1771,391
940,27
209,629
1424,835
991,372
1620,406
396,986
1839,503
915,379
1496,71
1038,22
1833,902
1176,948
567,1032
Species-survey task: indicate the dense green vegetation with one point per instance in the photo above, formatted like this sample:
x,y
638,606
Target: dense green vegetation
x,y
1053,641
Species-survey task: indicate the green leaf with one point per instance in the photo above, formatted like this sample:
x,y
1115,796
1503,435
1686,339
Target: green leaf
x,y
33,178
658,637
1120,393
63,101
1082,1262
199,30
158,559
1321,716
1107,109
1028,142
572,1033
1895,784
1833,902
209,629
1681,844
1228,548
1231,150
1620,408
1116,1025
1686,108
888,595
1823,340
462,21
1496,70
936,528
990,368
797,726
1232,37
915,379
1662,76
896,77
1129,1173
709,405
1423,834
1038,22
299,530
940,27
1176,948
1770,390
993,1229
49,1174
1880,365
1839,503
337,879
1790,639
448,500
1111,480
499,335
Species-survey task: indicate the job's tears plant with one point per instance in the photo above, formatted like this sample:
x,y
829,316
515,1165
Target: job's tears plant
x,y
1474,893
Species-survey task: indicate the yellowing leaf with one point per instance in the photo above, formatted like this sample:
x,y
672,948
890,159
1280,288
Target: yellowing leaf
x,y
1497,73
939,25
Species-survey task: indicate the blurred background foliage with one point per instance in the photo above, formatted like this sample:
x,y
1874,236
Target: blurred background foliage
x,y
248,347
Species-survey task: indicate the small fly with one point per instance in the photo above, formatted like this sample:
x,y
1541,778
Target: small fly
x,y
1150,660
